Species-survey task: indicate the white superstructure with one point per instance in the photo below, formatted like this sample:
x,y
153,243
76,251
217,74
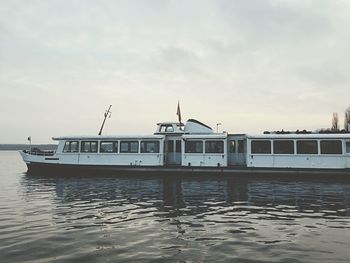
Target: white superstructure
x,y
196,145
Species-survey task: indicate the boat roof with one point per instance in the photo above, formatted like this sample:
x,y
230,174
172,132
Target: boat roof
x,y
107,137
215,135
170,123
205,136
301,136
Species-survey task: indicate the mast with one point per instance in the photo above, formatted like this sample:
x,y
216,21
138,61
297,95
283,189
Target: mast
x,y
107,114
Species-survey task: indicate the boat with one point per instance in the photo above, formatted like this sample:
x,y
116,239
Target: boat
x,y
194,148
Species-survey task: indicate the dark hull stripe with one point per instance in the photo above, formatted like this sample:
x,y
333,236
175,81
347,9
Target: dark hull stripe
x,y
114,169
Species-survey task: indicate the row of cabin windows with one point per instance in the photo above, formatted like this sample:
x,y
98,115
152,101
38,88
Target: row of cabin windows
x,y
111,147
302,147
212,146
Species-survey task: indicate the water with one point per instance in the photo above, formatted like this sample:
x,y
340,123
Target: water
x,y
115,219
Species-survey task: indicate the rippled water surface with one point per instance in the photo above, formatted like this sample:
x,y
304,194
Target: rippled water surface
x,y
170,219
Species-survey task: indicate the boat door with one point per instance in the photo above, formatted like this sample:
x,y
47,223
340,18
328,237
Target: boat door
x,y
347,153
173,152
237,152
241,152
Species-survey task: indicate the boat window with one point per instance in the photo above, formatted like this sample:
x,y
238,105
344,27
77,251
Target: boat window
x,y
347,147
214,147
261,146
88,147
331,147
178,146
232,146
240,146
66,147
194,147
150,146
109,147
129,147
74,147
307,147
71,146
169,129
166,128
283,147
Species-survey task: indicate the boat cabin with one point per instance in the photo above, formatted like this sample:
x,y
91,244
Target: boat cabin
x,y
329,151
204,150
106,150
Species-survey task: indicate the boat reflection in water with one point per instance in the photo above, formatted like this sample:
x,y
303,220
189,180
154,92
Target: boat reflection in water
x,y
191,196
195,219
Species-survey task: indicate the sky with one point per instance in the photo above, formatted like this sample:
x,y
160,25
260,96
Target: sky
x,y
252,65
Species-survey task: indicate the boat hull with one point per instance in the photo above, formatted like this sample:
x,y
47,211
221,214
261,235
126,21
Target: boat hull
x,y
71,169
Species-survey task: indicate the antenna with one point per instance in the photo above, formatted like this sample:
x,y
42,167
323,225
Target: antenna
x,y
217,127
108,114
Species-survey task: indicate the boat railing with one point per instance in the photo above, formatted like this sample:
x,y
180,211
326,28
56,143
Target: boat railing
x,y
39,152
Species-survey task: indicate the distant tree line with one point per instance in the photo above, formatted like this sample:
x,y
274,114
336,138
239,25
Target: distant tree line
x,y
335,128
347,119
335,123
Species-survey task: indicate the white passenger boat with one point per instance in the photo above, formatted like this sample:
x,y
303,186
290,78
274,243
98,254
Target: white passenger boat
x,y
195,148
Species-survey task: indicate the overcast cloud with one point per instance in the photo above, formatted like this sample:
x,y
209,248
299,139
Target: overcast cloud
x,y
252,65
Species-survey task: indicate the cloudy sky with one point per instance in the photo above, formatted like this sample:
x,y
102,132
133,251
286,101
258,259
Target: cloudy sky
x,y
252,65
